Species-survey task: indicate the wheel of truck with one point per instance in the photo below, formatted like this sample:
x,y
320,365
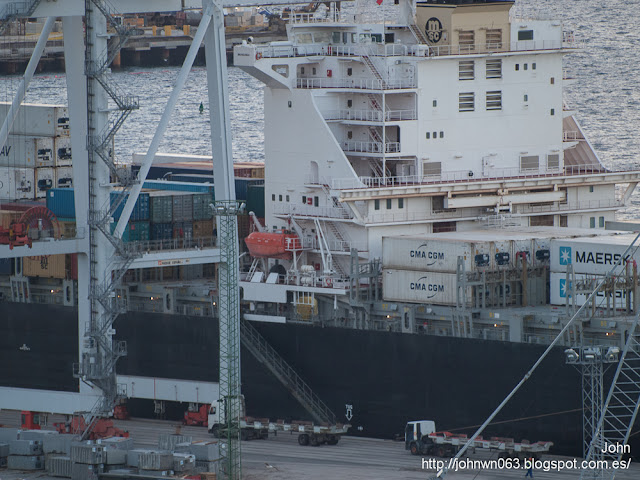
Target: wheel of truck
x,y
333,440
244,435
414,448
440,451
214,431
315,442
303,439
264,435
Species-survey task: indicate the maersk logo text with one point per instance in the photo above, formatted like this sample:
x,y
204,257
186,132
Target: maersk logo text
x,y
423,286
565,255
432,257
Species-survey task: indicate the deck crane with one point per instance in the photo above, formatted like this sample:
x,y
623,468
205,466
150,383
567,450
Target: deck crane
x,y
620,408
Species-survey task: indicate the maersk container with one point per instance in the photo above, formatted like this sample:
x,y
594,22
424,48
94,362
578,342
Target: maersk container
x,y
182,207
37,120
420,287
255,200
201,208
161,207
63,151
161,231
591,255
18,152
559,292
141,209
45,181
17,183
64,177
60,201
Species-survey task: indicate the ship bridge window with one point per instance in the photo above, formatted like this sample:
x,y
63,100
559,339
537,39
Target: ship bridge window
x,y
303,38
601,222
388,204
364,38
389,38
466,70
376,37
553,161
494,100
376,204
336,37
322,37
529,162
401,203
494,68
525,35
466,102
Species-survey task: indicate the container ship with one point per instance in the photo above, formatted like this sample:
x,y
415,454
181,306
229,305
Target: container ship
x,y
429,216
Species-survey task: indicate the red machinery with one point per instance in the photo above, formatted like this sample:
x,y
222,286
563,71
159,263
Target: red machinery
x,y
102,428
29,420
15,236
120,412
197,418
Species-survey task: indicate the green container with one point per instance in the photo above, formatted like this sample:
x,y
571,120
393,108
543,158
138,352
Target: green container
x,y
138,232
161,207
201,208
255,200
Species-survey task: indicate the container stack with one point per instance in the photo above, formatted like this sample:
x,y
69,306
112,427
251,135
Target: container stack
x,y
87,460
4,453
57,451
37,153
590,258
156,463
25,455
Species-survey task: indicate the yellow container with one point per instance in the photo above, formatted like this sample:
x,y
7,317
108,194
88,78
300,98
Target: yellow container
x,y
186,29
167,30
154,30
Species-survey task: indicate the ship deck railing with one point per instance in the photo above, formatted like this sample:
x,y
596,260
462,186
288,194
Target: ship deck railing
x,y
310,211
370,115
468,176
357,83
185,243
371,147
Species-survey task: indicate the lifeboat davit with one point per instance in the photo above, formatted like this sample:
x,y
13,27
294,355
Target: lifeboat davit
x,y
280,244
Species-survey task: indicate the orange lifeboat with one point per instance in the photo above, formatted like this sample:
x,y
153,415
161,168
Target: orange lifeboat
x,y
280,244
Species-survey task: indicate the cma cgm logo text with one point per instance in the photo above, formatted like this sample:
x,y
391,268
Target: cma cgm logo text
x,y
431,257
422,285
598,258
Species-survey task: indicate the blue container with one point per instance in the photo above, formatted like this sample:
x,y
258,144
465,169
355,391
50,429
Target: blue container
x,y
6,266
60,201
161,231
140,211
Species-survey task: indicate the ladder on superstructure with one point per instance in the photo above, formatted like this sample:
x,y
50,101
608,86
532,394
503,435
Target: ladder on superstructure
x,y
300,389
98,365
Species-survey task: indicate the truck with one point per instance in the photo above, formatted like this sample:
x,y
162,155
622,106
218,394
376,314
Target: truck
x,y
259,428
421,438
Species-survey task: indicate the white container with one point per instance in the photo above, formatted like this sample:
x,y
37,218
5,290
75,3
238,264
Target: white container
x,y
419,287
18,152
590,255
559,291
61,116
17,183
63,151
35,120
45,156
64,177
426,254
45,180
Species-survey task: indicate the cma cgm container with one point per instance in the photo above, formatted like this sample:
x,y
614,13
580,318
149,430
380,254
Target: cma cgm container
x,y
591,255
420,287
61,202
17,183
38,120
64,177
560,293
62,151
45,181
141,209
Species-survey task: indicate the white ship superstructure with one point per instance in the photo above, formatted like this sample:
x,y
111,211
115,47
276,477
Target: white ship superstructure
x,y
449,117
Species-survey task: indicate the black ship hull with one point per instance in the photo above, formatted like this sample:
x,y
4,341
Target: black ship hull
x,y
386,378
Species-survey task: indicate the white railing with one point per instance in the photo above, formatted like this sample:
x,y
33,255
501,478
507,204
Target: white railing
x,y
463,176
572,136
371,147
560,207
370,115
359,83
310,211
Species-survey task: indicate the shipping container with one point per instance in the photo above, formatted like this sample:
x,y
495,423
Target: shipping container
x,y
45,266
429,254
183,230
255,200
161,206
45,181
17,184
161,231
8,217
37,120
182,207
45,156
141,209
67,228
191,272
421,287
203,229
560,291
18,152
134,232
201,206
60,201
63,151
591,255
172,186
72,266
64,177
6,266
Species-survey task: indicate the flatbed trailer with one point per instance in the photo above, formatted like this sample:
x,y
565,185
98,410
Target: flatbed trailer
x,y
422,439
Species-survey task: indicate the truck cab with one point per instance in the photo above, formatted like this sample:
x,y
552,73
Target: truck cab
x,y
416,435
